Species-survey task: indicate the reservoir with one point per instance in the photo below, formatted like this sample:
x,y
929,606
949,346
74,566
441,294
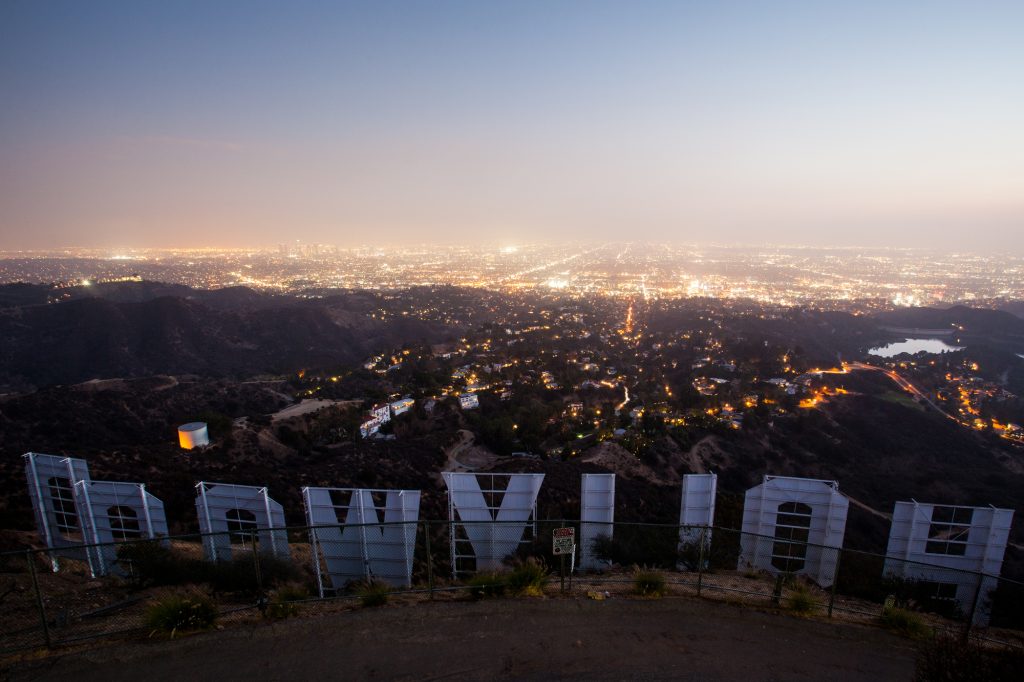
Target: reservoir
x,y
913,346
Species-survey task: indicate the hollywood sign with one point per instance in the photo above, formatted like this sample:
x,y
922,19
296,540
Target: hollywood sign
x,y
790,526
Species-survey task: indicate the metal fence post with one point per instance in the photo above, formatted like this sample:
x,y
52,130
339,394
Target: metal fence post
x,y
700,559
974,608
39,596
430,559
561,568
835,581
780,581
261,598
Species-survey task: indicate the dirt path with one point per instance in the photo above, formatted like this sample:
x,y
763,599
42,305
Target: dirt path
x,y
472,456
308,405
672,639
870,510
465,440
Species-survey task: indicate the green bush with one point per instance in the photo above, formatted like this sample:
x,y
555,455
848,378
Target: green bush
x,y
863,576
238,576
282,601
487,585
1007,602
919,595
373,593
800,600
724,551
904,622
947,659
641,545
690,555
528,578
180,613
649,584
152,564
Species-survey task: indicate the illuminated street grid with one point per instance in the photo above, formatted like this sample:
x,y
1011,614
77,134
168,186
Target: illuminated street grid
x,y
831,278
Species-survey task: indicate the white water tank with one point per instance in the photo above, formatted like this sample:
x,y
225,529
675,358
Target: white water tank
x,y
193,435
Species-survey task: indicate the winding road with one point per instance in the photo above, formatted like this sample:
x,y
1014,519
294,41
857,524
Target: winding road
x,y
904,384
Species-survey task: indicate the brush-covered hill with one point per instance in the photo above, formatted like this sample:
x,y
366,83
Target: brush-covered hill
x,y
880,451
142,329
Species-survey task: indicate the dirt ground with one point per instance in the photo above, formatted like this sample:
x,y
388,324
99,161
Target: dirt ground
x,y
617,639
466,455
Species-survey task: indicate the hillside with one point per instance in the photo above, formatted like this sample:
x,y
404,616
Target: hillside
x,y
110,372
879,451
227,333
973,320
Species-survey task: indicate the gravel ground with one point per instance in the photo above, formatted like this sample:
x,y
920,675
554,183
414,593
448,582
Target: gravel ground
x,y
617,639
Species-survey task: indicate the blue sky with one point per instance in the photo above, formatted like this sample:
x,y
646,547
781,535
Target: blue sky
x,y
224,124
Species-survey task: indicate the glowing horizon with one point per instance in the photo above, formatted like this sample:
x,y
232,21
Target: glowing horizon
x,y
137,125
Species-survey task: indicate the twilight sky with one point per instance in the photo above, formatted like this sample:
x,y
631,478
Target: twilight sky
x,y
175,123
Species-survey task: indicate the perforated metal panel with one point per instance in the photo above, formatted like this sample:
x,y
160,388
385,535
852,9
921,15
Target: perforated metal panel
x,y
232,512
361,534
114,512
51,487
945,539
794,525
489,515
597,516
697,509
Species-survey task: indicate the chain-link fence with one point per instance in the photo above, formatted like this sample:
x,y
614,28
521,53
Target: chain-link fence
x,y
185,582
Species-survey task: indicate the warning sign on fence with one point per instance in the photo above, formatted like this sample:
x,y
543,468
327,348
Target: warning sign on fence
x,y
563,541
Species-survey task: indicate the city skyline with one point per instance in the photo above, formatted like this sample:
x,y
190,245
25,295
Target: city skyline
x,y
849,279
149,125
